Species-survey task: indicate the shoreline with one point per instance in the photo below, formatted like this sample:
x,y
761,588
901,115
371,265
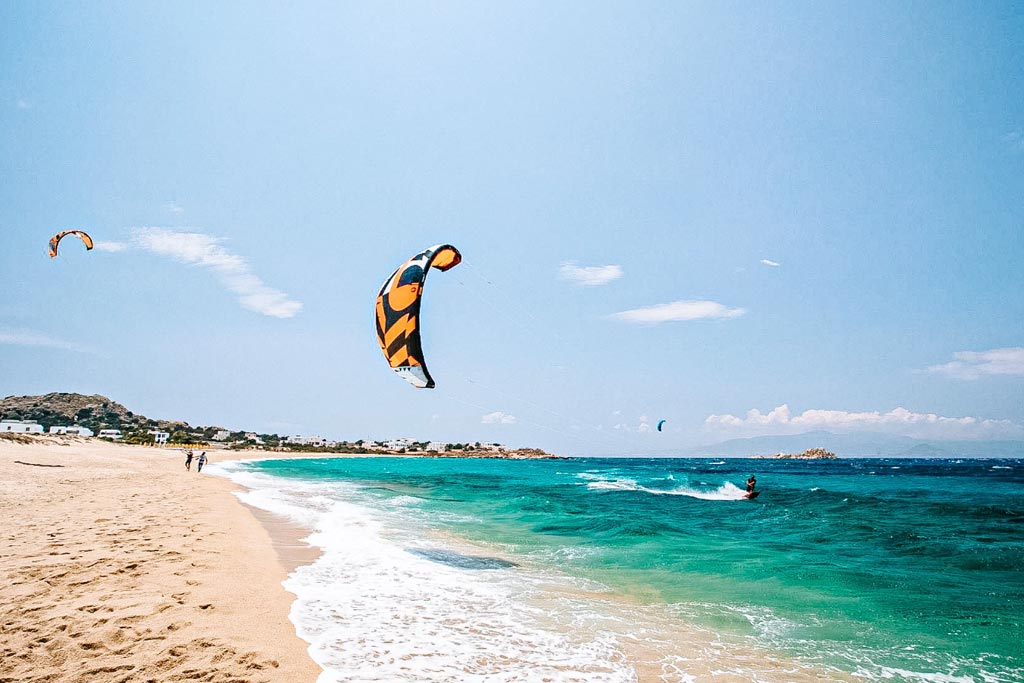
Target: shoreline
x,y
641,646
120,565
286,539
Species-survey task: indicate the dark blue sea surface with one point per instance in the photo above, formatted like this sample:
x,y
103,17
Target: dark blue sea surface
x,y
892,569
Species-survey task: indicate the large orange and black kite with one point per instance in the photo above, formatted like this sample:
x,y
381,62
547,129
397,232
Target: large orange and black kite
x,y
398,313
55,240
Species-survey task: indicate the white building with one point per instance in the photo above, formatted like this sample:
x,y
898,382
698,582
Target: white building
x,y
21,426
114,434
254,437
222,435
437,446
317,441
160,438
74,430
396,444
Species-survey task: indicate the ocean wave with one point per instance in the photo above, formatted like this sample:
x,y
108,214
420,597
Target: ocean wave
x,y
727,491
398,582
374,611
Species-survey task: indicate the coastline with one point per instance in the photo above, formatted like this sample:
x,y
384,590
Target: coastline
x,y
378,638
121,565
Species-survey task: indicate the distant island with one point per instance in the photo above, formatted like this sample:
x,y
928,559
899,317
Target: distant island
x,y
96,415
809,454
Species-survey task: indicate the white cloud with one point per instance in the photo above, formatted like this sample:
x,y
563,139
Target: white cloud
x,y
498,418
773,264
22,337
678,310
233,271
174,208
110,246
23,104
898,421
589,276
976,364
1014,141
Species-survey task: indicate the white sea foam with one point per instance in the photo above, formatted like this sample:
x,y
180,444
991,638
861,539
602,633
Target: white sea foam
x,y
598,482
372,611
888,673
727,491
386,601
615,485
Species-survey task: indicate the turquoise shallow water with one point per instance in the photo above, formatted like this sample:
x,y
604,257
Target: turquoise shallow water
x,y
889,569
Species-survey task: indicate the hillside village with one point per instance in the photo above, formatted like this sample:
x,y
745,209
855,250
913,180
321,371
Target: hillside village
x,y
96,416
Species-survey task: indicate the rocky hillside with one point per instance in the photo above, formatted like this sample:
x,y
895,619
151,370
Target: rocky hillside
x,y
95,412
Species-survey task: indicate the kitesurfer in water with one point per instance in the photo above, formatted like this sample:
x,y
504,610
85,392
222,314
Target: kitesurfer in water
x,y
751,483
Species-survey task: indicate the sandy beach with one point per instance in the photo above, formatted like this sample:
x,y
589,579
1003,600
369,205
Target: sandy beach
x,y
118,565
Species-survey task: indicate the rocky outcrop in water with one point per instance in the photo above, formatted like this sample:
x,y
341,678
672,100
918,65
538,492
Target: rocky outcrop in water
x,y
809,454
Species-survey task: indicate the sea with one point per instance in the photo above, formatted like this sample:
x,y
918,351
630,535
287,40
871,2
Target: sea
x,y
628,569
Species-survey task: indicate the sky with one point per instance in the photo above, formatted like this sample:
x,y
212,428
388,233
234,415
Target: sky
x,y
741,219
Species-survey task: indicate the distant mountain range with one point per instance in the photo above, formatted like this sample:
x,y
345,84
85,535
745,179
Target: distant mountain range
x,y
860,445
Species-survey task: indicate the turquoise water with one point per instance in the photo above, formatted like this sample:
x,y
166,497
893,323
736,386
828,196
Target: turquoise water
x,y
888,569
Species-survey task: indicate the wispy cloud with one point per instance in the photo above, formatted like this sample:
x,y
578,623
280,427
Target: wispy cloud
x,y
174,208
676,311
23,337
110,246
498,418
23,104
233,271
589,276
642,426
1014,141
898,421
768,262
977,364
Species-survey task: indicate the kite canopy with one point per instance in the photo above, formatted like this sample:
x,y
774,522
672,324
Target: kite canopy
x,y
660,423
398,313
55,240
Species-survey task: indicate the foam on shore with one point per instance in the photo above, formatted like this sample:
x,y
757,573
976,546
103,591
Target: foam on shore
x,y
386,602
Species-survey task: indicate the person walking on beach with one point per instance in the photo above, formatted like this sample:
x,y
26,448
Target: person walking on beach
x,y
201,461
188,460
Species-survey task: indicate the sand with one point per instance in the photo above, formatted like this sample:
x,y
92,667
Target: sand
x,y
119,565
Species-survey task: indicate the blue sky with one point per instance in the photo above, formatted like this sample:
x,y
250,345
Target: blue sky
x,y
678,211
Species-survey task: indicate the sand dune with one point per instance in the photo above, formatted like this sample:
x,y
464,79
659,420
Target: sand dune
x,y
117,565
